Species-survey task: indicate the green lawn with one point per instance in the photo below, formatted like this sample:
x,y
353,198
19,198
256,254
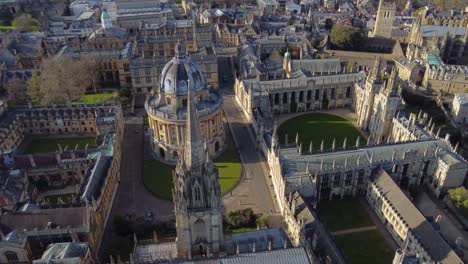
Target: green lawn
x,y
146,121
343,214
53,199
6,28
365,248
229,168
96,98
51,145
318,127
240,230
157,176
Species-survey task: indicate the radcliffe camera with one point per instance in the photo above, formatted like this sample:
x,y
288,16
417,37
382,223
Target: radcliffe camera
x,y
234,132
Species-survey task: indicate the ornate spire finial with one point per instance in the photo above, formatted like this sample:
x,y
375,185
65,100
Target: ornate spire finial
x,y
344,143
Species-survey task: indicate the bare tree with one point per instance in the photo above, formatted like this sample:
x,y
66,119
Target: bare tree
x,y
16,90
63,80
25,22
91,67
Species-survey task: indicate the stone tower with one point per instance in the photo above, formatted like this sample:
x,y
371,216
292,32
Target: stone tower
x,y
197,195
384,20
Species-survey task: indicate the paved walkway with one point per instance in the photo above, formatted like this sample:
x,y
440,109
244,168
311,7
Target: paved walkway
x,y
256,189
354,230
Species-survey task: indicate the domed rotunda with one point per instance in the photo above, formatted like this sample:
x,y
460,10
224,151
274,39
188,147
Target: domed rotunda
x,y
167,108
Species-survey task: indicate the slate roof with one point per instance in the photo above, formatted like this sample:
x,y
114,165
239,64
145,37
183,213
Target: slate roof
x,y
433,243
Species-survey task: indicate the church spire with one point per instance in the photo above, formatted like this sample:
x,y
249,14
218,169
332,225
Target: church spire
x,y
194,153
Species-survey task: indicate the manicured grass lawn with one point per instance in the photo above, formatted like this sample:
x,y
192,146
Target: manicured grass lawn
x,y
157,176
240,230
53,199
316,127
51,145
146,121
229,168
101,97
365,248
343,214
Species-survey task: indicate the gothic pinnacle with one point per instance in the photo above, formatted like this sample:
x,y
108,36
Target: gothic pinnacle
x,y
344,143
297,138
321,146
357,142
333,144
311,147
286,139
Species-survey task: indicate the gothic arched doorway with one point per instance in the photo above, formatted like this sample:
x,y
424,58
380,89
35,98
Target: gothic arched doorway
x,y
216,146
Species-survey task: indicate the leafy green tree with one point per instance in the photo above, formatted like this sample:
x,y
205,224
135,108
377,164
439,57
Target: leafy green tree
x,y
233,218
347,38
34,88
459,195
263,220
314,42
349,66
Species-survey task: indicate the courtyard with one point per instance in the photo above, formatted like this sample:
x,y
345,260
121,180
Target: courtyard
x,y
343,214
354,231
157,176
316,127
365,247
45,145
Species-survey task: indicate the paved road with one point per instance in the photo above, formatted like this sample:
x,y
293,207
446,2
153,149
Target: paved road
x,y
132,197
255,190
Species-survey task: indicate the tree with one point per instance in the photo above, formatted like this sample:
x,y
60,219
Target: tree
x,y
263,220
314,43
90,66
16,90
347,38
328,24
33,88
63,80
349,66
26,23
233,218
459,196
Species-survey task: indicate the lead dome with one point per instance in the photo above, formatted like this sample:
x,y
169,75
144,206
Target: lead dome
x,y
179,73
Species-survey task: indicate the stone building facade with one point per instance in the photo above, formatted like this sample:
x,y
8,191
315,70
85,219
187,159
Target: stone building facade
x,y
446,78
167,108
449,43
449,18
406,224
197,195
376,103
384,20
312,85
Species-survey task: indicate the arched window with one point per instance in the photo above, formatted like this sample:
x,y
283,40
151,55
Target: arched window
x,y
11,256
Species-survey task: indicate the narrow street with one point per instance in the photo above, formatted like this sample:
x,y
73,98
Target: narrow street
x,y
256,189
